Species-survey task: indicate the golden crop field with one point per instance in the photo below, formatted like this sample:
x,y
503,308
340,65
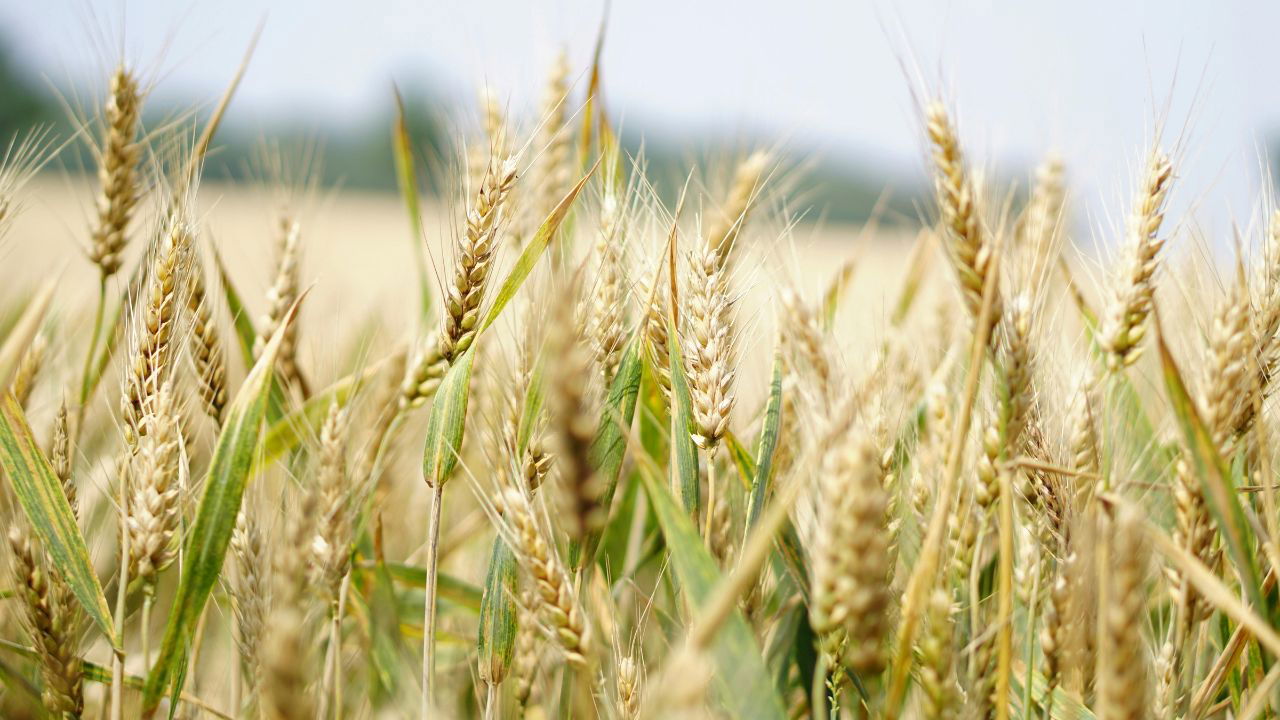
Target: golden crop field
x,y
551,446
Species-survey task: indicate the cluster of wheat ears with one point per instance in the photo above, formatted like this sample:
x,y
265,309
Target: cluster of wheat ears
x,y
1024,504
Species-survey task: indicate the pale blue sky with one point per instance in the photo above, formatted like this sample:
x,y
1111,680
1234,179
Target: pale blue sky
x,y
1086,77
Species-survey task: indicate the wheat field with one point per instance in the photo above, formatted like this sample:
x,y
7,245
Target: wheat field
x,y
553,446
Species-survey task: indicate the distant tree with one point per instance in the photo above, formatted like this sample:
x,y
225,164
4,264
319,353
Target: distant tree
x,y
22,104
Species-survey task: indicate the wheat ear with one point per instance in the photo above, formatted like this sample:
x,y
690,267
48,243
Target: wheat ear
x,y
969,244
727,225
153,513
1125,323
850,556
940,694
154,325
1122,662
24,378
472,261
557,604
607,320
280,297
117,171
709,348
205,347
551,174
286,650
251,589
53,620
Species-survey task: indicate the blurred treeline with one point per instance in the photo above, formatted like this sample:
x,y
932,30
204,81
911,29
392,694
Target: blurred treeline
x,y
360,157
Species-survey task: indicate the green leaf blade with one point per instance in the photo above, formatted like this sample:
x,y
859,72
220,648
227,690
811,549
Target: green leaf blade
x,y
1212,470
206,545
768,444
742,680
496,641
533,250
40,494
447,421
686,452
609,446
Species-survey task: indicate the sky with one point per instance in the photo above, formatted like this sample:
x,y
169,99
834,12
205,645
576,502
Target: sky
x,y
1091,79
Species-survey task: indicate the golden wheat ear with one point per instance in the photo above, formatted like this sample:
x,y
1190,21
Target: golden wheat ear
x,y
1125,324
969,243
118,155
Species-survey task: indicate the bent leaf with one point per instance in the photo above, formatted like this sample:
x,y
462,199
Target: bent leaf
x,y
768,444
533,251
285,434
40,494
686,452
742,680
448,420
496,642
407,179
245,332
1213,474
609,445
206,545
23,333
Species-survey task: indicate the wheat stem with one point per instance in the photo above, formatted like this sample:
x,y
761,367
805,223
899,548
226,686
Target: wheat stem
x,y
429,604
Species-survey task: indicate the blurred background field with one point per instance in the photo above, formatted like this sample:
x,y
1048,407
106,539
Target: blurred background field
x,y
830,87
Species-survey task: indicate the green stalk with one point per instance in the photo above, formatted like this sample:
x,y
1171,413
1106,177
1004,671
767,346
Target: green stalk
x,y
98,317
148,599
1032,608
711,495
122,590
429,601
